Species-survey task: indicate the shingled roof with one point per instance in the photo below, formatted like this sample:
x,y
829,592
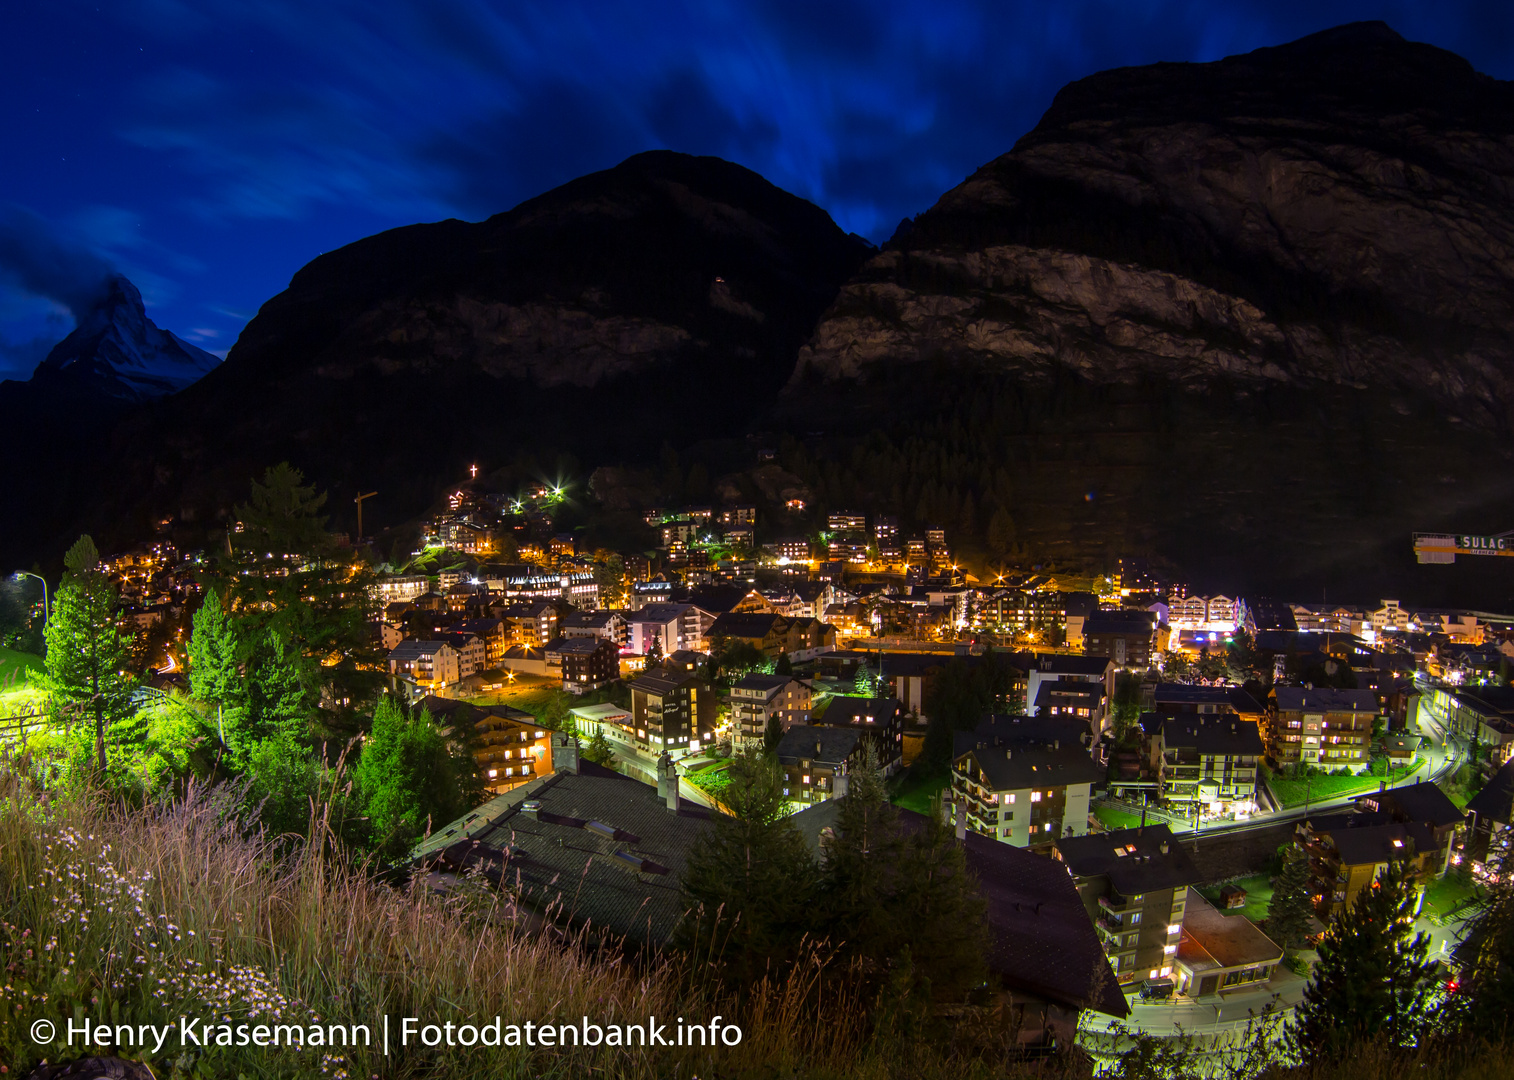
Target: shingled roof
x,y
1495,802
1135,861
603,850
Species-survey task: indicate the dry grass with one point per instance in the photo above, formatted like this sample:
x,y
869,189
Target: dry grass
x,y
139,917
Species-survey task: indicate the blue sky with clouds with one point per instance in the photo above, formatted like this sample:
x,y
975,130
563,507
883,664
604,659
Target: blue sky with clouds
x,y
209,148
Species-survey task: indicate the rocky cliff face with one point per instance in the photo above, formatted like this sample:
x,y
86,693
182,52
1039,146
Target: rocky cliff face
x,y
1336,210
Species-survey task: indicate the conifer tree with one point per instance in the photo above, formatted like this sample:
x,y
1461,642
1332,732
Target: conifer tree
x,y
888,890
406,776
1289,910
751,878
86,648
785,666
772,735
599,751
214,665
1372,979
1483,1006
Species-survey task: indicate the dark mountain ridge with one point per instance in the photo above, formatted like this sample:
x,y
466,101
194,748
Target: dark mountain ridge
x,y
626,309
1254,315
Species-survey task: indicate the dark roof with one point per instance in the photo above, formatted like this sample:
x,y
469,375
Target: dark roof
x,y
1021,730
1376,843
1423,802
1061,664
456,708
1211,734
662,681
828,745
1069,690
604,848
416,648
1132,859
1233,697
658,613
1495,802
744,624
587,620
1043,942
1294,698
763,682
856,710
1119,622
585,646
1033,765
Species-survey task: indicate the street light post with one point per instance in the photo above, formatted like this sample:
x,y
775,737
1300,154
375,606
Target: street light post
x,y
39,577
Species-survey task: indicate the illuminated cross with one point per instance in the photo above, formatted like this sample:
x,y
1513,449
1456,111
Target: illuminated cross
x,y
473,470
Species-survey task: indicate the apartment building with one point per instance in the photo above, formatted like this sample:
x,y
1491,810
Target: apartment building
x,y
756,699
1024,780
1208,763
1134,885
425,663
816,762
671,711
1323,727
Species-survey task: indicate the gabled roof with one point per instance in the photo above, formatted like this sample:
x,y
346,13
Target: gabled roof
x,y
1001,730
1216,734
1042,940
603,850
1061,664
414,649
861,712
765,683
827,745
658,613
1295,698
661,681
1035,765
1495,802
1424,802
1380,843
1136,861
578,646
746,624
1088,694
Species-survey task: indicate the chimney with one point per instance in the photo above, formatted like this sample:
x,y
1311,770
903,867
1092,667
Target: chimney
x,y
664,771
564,752
817,748
1164,847
1056,744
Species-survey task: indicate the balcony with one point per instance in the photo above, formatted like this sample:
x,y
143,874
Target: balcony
x,y
1109,925
1114,905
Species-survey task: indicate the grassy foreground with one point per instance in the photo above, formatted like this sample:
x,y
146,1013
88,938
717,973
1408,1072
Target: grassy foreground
x,y
1315,789
141,916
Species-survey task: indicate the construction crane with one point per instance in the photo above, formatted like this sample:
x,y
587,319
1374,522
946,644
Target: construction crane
x,y
359,501
1445,547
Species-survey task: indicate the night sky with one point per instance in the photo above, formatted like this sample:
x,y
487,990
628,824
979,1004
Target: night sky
x,y
209,148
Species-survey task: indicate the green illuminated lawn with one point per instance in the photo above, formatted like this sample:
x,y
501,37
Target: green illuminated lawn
x,y
17,665
1445,895
1258,896
1323,788
18,693
1113,819
915,794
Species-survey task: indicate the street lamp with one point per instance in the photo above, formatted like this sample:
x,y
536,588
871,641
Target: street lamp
x,y
19,574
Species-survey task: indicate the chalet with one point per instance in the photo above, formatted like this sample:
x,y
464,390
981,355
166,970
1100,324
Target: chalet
x,y
817,760
879,719
1208,763
425,663
1323,727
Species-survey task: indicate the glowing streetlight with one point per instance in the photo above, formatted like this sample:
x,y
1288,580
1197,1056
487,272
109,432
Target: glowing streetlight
x,y
19,574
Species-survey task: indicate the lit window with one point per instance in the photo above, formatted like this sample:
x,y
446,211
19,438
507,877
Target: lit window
x,y
1011,797
806,778
1035,796
1046,827
1169,949
1173,928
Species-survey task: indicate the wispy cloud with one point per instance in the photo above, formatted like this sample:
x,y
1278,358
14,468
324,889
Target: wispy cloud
x,y
871,110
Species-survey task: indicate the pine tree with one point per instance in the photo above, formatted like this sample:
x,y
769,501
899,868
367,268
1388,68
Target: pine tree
x,y
889,891
1484,1003
751,877
599,750
215,675
406,776
86,648
785,666
1372,980
772,735
1289,910
1001,532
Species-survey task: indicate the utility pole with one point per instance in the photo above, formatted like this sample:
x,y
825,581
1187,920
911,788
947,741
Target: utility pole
x,y
359,501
